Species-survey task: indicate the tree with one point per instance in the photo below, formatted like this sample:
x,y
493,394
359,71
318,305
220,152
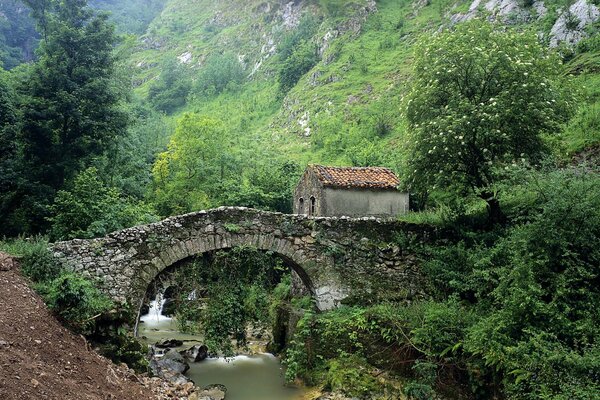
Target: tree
x,y
302,59
90,208
170,91
482,99
221,72
187,175
71,103
9,161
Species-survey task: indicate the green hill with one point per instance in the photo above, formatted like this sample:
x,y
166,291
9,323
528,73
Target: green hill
x,y
352,61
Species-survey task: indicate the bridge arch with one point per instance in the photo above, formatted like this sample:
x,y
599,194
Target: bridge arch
x,y
127,261
335,257
292,256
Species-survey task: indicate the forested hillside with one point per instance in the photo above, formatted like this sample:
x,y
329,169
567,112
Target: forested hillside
x,y
286,84
488,111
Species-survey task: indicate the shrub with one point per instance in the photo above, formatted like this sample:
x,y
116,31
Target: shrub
x,y
351,375
90,208
169,92
220,73
37,262
76,301
303,58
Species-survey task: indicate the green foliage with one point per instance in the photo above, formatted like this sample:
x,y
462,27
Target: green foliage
x,y
69,107
187,174
306,29
583,131
298,53
38,263
350,374
533,288
10,173
18,37
267,186
220,295
385,336
76,301
122,348
130,16
169,92
36,260
220,73
481,99
91,208
128,164
303,59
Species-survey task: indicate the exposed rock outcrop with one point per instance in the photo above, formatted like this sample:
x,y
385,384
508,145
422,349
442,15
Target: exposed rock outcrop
x,y
570,26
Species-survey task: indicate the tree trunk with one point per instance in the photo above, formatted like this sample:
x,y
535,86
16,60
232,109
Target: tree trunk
x,y
495,214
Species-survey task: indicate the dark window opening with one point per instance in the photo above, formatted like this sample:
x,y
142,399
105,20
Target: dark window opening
x,y
301,206
313,203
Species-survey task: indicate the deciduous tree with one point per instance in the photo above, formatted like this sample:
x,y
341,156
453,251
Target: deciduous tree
x,y
482,99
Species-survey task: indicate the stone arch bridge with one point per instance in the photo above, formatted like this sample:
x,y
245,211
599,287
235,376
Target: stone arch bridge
x,y
336,258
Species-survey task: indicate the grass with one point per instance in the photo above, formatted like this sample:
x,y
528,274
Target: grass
x,y
21,246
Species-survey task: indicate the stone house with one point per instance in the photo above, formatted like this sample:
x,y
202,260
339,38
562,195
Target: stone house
x,y
349,191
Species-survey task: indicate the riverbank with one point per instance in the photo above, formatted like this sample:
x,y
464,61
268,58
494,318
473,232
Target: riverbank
x,y
39,358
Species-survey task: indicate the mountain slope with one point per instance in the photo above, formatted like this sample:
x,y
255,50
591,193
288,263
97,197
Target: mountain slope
x,y
343,105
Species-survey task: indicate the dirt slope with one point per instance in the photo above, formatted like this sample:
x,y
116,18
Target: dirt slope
x,y
40,359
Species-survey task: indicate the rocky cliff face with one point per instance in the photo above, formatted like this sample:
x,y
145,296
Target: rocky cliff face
x,y
570,25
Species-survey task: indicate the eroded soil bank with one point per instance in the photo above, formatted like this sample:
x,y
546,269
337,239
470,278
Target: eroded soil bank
x,y
41,359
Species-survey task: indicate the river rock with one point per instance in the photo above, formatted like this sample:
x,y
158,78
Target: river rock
x,y
174,361
168,343
213,392
171,366
196,353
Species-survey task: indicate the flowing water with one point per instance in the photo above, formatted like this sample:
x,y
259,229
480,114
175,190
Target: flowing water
x,y
256,377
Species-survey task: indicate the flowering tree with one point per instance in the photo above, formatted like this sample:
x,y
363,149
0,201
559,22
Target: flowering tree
x,y
481,100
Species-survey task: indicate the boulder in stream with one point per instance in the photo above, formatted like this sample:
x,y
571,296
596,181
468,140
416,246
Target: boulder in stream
x,y
168,343
196,353
171,366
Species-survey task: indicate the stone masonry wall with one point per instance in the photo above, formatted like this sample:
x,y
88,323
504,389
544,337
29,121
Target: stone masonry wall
x,y
336,258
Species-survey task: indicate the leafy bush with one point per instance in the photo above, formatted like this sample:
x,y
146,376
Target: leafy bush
x,y
76,301
169,92
303,58
387,336
91,209
231,290
466,129
350,374
220,73
122,348
36,260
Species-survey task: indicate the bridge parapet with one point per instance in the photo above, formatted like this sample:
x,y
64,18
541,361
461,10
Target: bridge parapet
x,y
336,258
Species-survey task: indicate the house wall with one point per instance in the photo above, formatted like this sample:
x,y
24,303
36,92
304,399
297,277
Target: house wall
x,y
363,202
309,186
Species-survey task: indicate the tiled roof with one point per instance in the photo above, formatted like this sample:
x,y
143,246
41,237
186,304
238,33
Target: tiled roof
x,y
356,177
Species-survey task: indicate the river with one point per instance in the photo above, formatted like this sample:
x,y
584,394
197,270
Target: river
x,y
247,377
